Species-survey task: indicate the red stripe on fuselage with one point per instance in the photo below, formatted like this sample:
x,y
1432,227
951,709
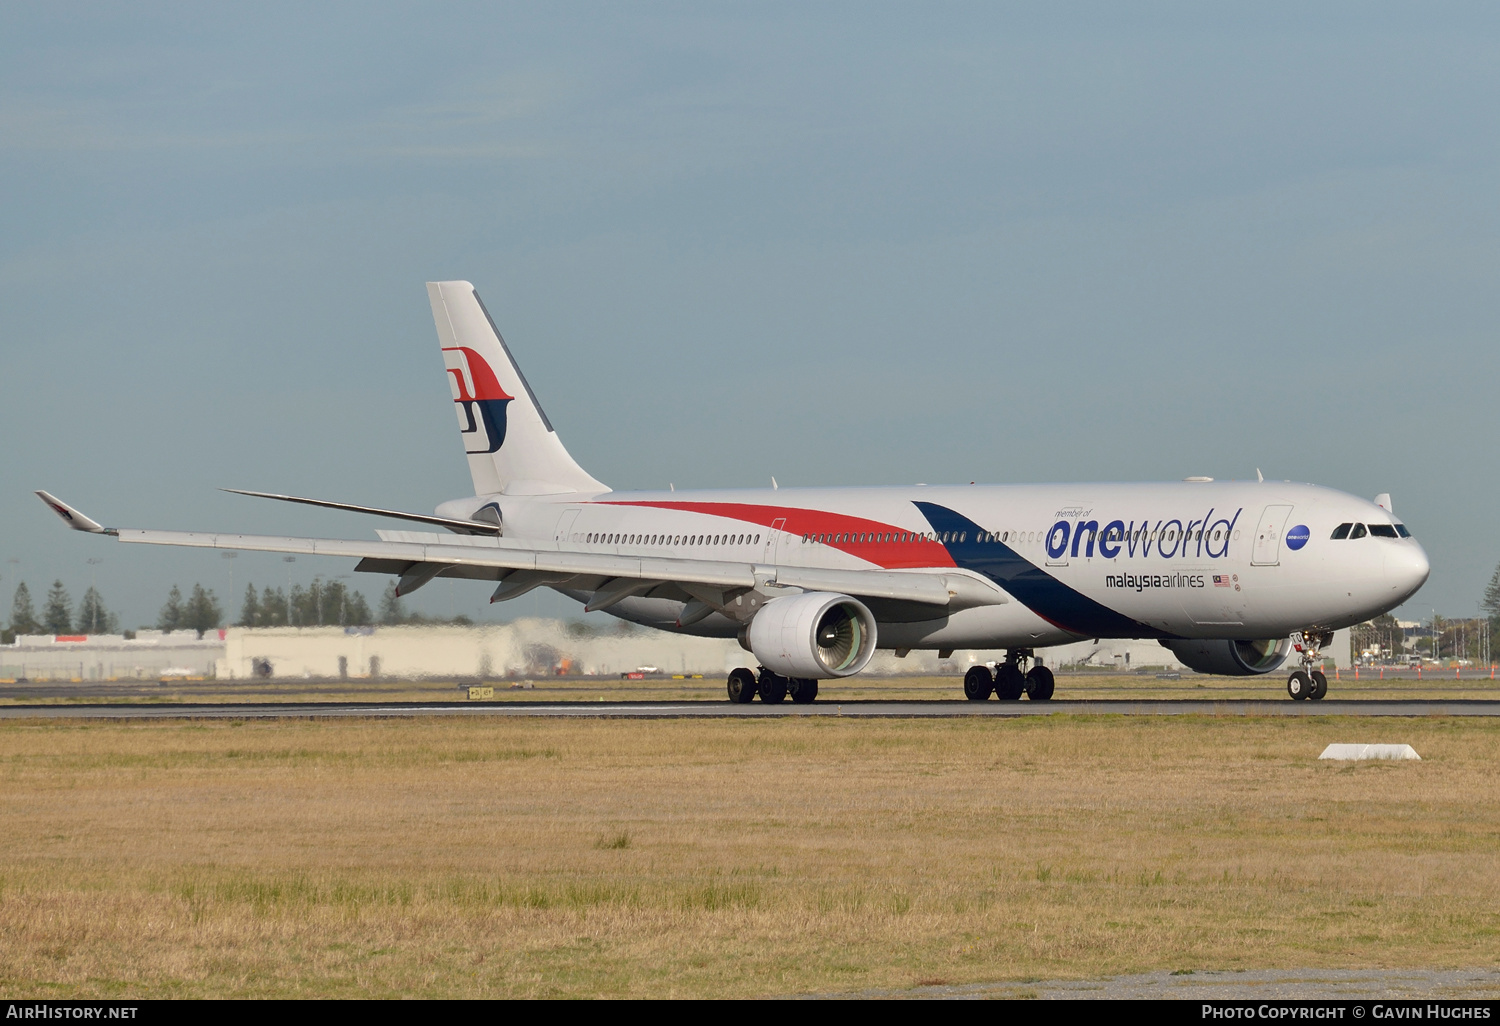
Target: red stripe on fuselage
x,y
891,555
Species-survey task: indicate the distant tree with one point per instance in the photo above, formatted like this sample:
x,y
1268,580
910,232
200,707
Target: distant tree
x,y
390,606
272,609
170,617
93,618
331,599
357,611
22,615
202,612
250,611
57,615
304,604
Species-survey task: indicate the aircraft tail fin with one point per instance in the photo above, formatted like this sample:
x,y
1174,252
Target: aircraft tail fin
x,y
509,441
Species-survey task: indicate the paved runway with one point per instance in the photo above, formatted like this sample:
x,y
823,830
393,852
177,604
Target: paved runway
x,y
720,710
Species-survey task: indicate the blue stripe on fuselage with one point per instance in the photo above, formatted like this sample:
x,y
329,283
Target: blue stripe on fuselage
x,y
1038,590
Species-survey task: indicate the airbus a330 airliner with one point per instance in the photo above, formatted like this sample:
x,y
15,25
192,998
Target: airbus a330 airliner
x,y
1230,576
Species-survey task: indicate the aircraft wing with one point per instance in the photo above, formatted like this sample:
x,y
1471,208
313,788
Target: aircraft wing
x,y
417,558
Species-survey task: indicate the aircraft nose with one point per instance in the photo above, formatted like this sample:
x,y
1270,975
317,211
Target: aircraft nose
x,y
1406,568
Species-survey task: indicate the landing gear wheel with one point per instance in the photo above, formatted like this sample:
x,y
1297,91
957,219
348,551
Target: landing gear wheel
x,y
803,689
772,687
1299,685
978,683
742,686
1009,682
1039,684
1319,685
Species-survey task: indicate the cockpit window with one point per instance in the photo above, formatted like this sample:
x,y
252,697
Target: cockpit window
x,y
1358,532
1402,531
1383,530
1340,532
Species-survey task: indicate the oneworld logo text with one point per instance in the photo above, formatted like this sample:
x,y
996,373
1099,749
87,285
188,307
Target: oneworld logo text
x,y
1204,537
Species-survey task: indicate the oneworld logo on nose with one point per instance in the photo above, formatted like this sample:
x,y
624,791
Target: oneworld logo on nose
x,y
1297,537
1194,537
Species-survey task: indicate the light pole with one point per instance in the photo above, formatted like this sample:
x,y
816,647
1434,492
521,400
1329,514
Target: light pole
x,y
289,560
93,562
231,556
343,598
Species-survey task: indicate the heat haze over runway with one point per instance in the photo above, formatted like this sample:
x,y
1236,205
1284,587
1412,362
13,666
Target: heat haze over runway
x,y
719,710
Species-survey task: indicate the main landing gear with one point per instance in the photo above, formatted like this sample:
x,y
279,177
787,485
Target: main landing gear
x,y
1305,683
1008,682
744,685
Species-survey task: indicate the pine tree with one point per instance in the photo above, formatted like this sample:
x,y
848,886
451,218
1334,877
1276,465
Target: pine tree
x,y
1491,601
304,604
202,612
331,604
57,615
22,615
170,617
390,606
272,610
250,611
357,611
93,618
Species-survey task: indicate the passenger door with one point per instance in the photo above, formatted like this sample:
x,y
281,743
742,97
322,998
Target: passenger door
x,y
1266,550
773,539
565,524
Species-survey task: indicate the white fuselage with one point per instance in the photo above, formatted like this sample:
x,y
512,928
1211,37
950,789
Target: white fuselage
x,y
1232,560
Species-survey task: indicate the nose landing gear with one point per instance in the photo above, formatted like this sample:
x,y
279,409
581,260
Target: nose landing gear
x,y
1306,683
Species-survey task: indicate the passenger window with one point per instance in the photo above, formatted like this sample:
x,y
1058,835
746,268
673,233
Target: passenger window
x,y
1382,530
1358,532
1340,532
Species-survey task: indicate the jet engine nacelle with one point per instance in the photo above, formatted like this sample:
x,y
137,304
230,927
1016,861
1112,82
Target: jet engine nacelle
x,y
1231,658
813,635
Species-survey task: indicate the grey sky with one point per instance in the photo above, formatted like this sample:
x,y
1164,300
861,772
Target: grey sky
x,y
838,244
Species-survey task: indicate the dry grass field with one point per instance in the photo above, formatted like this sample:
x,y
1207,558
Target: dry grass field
x,y
497,857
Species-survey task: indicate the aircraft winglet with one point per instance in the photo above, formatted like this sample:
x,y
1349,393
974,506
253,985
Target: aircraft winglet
x,y
70,516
